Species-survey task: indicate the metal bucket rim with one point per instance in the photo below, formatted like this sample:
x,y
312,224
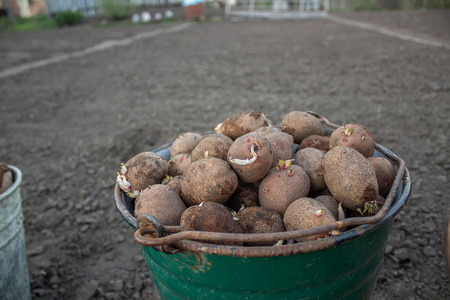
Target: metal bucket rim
x,y
17,180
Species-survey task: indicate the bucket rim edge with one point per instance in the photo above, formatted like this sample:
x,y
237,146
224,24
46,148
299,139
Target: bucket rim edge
x,y
17,176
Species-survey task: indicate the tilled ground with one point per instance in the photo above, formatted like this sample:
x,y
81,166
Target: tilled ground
x,y
68,126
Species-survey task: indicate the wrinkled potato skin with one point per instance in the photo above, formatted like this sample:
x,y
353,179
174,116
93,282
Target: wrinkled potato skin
x,y
216,145
385,174
300,125
330,203
350,177
179,163
301,214
279,188
311,161
208,179
360,139
185,143
315,141
246,195
146,169
239,124
241,149
212,217
257,219
282,144
162,202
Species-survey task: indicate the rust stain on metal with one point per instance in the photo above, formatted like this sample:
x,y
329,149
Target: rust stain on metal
x,y
203,264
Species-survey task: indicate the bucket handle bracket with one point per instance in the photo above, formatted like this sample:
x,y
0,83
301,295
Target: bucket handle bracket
x,y
150,224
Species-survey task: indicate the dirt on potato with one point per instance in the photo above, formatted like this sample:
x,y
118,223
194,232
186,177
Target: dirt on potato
x,y
69,125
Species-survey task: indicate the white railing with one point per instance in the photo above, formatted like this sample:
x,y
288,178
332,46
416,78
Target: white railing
x,y
300,7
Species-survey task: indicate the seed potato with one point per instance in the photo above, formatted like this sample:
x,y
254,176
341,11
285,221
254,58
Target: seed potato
x,y
300,125
246,195
175,183
282,186
214,145
179,163
354,136
210,216
282,143
208,180
307,213
142,171
257,219
330,203
350,177
315,141
385,174
251,157
185,143
162,202
242,123
311,161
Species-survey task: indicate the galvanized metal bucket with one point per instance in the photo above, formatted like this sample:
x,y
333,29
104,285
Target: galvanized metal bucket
x,y
336,267
14,279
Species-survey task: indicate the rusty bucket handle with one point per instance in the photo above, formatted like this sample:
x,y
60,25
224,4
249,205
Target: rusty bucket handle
x,y
148,226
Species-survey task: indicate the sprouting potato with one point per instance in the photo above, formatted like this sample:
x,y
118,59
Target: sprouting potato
x,y
214,145
142,171
307,213
282,186
282,143
242,123
354,136
251,157
248,165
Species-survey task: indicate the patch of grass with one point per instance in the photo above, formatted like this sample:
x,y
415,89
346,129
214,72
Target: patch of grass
x,y
68,18
24,24
117,9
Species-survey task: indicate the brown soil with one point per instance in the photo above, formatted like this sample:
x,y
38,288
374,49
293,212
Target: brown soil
x,y
68,126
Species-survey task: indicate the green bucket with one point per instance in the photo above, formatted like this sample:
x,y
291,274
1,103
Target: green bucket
x,y
336,267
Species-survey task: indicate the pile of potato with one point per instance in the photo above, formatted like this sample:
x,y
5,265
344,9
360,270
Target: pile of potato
x,y
252,177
